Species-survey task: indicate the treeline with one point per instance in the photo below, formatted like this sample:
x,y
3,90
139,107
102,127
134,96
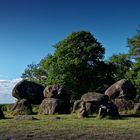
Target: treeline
x,y
78,63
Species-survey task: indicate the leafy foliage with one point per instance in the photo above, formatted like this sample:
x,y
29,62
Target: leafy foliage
x,y
121,64
76,63
134,46
134,52
34,72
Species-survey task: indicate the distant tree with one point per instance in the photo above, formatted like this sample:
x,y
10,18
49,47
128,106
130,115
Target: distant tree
x,y
134,52
121,64
134,47
35,73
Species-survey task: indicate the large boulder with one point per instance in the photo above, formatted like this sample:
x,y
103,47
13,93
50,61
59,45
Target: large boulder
x,y
124,105
86,107
29,90
82,111
53,106
91,100
94,98
55,91
121,89
22,107
51,91
1,114
110,109
58,92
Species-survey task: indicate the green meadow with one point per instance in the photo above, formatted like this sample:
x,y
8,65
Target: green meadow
x,y
69,127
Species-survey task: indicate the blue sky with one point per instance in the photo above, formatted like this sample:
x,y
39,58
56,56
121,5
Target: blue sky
x,y
29,28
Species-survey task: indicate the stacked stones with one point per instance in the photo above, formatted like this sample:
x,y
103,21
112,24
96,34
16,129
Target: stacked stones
x,y
122,94
27,93
89,103
56,100
118,96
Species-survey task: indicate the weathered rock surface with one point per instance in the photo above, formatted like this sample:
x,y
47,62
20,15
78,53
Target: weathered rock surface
x,y
121,89
124,105
94,97
53,106
92,101
55,91
31,91
77,105
51,91
82,113
22,107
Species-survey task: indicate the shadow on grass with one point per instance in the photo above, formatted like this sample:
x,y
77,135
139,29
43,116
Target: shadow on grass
x,y
7,118
21,117
120,117
130,115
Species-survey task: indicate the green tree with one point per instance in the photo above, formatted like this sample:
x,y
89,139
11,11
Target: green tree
x,y
78,64
34,72
134,52
121,64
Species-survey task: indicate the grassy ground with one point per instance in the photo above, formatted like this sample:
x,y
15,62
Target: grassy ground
x,y
69,127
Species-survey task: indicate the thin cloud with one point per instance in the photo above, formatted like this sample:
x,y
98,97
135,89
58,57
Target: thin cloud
x,y
6,87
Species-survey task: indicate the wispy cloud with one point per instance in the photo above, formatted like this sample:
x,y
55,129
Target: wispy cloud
x,y
6,87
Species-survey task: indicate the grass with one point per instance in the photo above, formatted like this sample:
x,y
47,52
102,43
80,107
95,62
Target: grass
x,y
69,127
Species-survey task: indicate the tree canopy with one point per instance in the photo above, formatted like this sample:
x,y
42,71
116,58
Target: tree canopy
x,y
134,53
76,63
121,64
